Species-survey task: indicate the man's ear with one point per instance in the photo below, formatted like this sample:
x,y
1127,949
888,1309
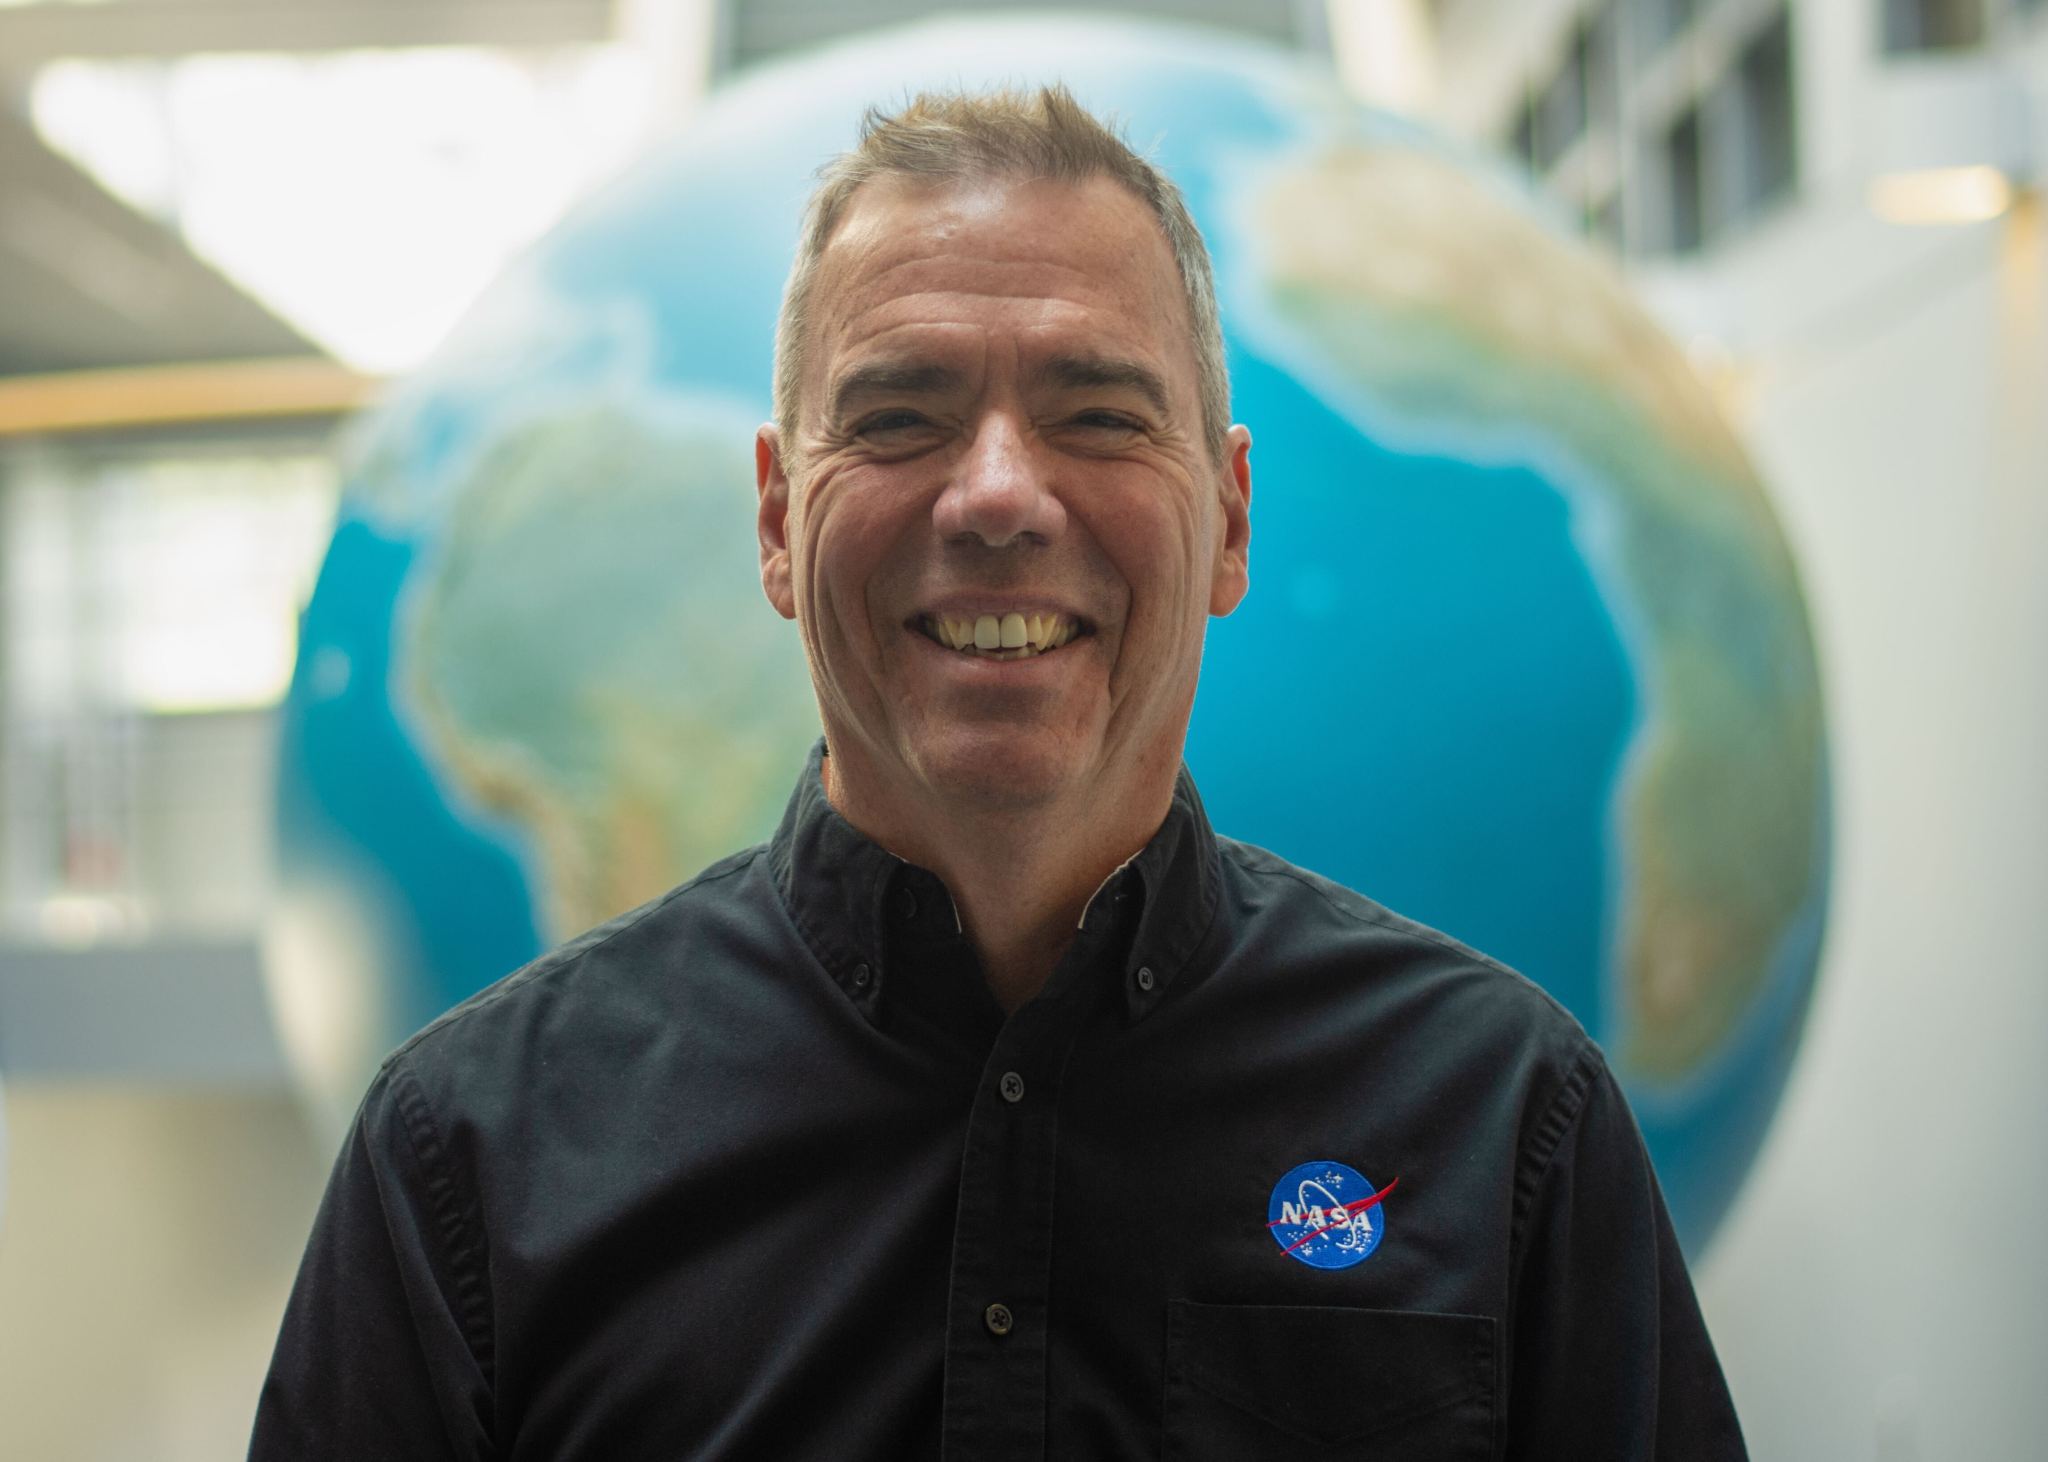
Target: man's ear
x,y
771,522
1232,575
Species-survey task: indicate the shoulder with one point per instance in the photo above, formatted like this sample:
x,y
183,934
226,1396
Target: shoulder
x,y
1298,940
1286,908
589,994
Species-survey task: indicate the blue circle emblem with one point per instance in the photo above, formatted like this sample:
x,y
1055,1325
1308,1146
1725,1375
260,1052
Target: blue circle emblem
x,y
1327,1215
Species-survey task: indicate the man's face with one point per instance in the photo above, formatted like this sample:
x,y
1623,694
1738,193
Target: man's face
x,y
999,416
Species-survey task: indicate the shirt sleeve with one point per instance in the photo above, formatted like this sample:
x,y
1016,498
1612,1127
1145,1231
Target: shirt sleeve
x,y
1609,1356
384,1349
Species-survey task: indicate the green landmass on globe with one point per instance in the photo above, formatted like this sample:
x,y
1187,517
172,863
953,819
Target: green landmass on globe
x,y
558,648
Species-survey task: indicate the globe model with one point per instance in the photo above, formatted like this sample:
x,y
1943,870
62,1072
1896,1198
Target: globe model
x,y
1525,655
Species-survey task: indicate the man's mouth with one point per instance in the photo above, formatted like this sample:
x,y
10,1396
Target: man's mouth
x,y
1011,636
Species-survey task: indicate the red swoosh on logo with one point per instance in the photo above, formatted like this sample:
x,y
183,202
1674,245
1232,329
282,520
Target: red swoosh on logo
x,y
1348,1210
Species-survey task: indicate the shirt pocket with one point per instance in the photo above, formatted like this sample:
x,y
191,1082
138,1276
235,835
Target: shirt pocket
x,y
1245,1382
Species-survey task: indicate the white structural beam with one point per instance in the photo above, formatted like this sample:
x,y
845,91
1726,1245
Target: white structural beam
x,y
1386,52
33,34
192,1012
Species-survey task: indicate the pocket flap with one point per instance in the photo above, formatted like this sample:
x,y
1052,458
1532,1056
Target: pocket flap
x,y
1327,1373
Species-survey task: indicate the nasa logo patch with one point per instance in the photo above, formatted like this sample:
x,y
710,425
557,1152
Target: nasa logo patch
x,y
1327,1215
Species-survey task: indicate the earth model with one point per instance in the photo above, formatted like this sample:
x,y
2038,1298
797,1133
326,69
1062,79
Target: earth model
x,y
1525,655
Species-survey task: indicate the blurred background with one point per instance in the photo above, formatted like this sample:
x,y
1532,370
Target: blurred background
x,y
227,225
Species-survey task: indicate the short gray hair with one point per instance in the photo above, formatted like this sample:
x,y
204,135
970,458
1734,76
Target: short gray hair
x,y
963,136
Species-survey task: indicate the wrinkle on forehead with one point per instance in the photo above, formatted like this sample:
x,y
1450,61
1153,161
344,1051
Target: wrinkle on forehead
x,y
923,222
892,264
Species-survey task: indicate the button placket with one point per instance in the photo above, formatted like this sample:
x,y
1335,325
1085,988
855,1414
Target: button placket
x,y
994,1405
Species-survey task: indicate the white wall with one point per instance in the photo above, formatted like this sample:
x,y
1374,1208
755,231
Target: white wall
x,y
1881,1290
149,1244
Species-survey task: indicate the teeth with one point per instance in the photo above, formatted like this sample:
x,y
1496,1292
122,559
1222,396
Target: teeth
x,y
1010,636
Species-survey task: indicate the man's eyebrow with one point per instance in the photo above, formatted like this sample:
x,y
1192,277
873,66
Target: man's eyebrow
x,y
892,378
1080,372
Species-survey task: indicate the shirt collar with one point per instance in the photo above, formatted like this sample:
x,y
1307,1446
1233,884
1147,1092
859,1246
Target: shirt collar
x,y
845,892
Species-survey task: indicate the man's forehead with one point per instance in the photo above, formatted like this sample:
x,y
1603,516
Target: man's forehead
x,y
904,244
989,226
892,202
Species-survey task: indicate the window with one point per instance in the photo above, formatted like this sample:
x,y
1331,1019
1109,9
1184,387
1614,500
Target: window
x,y
1682,174
1600,43
1653,23
1677,161
1769,140
149,602
1932,25
162,581
1561,106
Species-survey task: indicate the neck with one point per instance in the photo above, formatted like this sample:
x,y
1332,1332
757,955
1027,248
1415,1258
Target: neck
x,y
1020,880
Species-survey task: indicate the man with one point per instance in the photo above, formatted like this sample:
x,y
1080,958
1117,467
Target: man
x,y
996,1108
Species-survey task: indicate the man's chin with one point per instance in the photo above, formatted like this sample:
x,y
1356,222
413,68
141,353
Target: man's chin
x,y
997,772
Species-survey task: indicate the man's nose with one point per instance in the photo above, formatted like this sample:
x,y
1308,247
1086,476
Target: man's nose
x,y
1001,490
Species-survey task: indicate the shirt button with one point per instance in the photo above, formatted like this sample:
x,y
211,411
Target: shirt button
x,y
906,904
861,976
998,1319
1012,1088
1145,980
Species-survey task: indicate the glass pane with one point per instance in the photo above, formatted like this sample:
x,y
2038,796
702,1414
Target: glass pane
x,y
1561,110
1765,78
1682,169
1932,25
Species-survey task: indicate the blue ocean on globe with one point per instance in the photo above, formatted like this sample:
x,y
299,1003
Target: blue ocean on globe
x,y
1525,655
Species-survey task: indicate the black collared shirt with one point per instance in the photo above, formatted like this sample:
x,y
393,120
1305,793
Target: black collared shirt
x,y
761,1171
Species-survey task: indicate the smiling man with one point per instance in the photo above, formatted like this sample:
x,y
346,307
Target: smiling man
x,y
1001,515
997,1108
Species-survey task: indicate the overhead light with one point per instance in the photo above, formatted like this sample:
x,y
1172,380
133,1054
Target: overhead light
x,y
1949,139
365,196
1972,194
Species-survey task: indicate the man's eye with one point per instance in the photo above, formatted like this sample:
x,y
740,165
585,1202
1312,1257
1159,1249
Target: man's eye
x,y
883,422
1104,421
